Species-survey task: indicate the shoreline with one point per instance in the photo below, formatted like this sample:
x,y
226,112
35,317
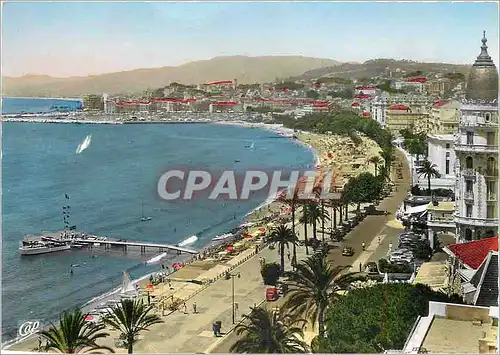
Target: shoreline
x,y
114,293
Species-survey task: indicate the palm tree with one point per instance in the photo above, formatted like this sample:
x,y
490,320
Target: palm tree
x,y
313,286
293,203
376,161
428,170
388,157
74,334
283,236
130,317
269,332
304,219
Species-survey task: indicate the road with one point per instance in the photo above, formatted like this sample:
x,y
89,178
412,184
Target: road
x,y
367,231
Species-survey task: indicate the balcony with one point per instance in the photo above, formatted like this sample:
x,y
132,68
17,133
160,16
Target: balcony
x,y
468,195
478,222
469,173
477,148
489,172
441,221
491,197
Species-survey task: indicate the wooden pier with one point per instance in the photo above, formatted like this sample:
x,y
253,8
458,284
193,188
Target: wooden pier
x,y
125,244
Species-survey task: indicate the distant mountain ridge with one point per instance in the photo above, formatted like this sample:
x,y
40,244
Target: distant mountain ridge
x,y
247,70
376,67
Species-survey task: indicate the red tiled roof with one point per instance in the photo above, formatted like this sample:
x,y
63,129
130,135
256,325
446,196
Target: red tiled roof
x,y
473,253
417,80
366,87
220,82
365,114
355,104
362,96
399,107
440,103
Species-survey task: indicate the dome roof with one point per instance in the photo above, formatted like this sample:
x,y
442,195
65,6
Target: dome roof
x,y
483,77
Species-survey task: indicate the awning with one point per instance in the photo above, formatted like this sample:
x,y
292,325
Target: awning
x,y
416,209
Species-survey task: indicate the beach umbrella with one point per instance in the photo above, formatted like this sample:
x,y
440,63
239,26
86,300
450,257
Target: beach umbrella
x,y
330,155
149,287
89,318
249,236
176,266
262,229
229,248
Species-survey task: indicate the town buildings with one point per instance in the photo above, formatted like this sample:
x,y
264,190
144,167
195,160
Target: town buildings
x,y
476,149
381,104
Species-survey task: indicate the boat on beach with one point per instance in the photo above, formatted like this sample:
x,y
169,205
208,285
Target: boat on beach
x,y
222,237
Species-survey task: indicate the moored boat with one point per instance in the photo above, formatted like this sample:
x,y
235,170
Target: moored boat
x,y
41,247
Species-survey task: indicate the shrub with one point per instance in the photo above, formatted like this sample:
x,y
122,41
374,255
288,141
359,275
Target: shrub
x,y
270,273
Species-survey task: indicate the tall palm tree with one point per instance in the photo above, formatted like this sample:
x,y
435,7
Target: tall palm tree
x,y
304,219
74,334
316,213
314,286
283,236
268,332
130,317
376,161
293,203
428,170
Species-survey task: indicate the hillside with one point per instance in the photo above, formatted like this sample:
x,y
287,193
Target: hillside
x,y
247,70
377,67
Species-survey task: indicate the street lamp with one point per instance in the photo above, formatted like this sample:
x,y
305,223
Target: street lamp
x,y
232,276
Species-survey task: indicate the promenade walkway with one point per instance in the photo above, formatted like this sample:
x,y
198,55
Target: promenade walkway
x,y
367,231
192,333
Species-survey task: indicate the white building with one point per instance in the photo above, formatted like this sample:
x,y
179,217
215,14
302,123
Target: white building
x,y
380,104
476,148
441,152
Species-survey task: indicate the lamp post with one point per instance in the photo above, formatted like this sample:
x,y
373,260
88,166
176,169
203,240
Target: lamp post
x,y
232,276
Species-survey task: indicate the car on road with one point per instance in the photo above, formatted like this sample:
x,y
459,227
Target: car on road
x,y
348,251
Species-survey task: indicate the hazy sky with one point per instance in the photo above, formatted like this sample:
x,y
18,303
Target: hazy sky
x,y
68,38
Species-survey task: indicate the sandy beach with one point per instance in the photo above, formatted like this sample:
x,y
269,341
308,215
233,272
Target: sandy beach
x,y
212,264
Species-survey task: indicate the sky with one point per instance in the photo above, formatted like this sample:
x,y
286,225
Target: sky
x,y
83,38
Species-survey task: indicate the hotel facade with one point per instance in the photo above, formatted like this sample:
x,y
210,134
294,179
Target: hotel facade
x,y
476,149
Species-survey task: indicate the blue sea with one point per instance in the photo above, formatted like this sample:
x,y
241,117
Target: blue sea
x,y
15,105
108,185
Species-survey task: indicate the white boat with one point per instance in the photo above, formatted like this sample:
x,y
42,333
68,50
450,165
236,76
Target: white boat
x,y
222,237
39,247
84,145
188,241
144,218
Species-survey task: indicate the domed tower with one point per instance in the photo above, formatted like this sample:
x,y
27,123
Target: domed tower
x,y
476,148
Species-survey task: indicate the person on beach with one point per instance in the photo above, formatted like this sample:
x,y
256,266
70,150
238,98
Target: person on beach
x,y
185,308
379,240
288,255
194,308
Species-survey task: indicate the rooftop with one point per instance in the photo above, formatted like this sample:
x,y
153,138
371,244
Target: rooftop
x,y
443,206
434,274
454,328
472,254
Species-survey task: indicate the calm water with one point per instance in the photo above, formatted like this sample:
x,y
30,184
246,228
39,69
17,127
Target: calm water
x,y
12,105
107,185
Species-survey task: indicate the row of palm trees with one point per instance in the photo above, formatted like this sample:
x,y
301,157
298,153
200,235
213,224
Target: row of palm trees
x,y
313,287
75,334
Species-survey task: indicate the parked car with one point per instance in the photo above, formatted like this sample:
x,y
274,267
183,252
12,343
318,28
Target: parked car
x,y
348,251
272,294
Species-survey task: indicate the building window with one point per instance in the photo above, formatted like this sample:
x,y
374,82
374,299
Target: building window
x,y
447,145
490,211
490,188
487,116
468,163
490,138
447,167
468,185
470,137
490,166
468,234
468,210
